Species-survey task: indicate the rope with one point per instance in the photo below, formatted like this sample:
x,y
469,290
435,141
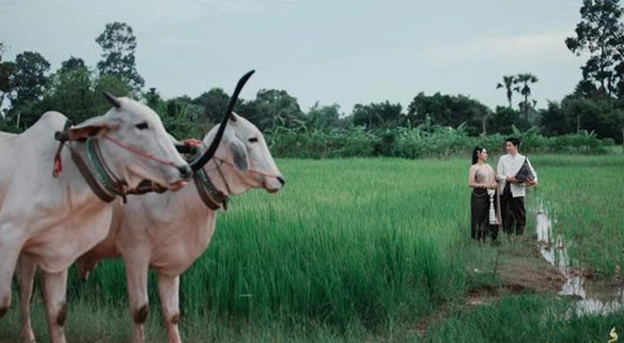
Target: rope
x,y
227,186
198,143
138,152
62,137
249,170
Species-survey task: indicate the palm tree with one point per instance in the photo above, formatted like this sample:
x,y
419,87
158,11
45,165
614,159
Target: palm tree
x,y
508,82
524,89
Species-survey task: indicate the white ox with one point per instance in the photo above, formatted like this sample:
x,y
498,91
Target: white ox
x,y
168,232
52,221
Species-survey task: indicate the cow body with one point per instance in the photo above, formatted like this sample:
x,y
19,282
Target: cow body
x,y
168,232
50,221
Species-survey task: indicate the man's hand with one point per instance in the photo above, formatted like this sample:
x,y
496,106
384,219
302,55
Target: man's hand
x,y
192,142
512,179
531,182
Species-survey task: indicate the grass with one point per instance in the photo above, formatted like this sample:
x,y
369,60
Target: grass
x,y
524,318
360,250
584,197
351,241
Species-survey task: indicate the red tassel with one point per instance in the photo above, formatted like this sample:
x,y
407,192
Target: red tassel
x,y
58,165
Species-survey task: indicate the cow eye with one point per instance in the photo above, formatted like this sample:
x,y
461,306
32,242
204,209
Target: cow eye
x,y
253,139
142,126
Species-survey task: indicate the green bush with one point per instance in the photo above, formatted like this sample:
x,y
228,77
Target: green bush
x,y
418,142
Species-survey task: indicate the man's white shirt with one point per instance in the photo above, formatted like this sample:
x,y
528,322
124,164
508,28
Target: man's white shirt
x,y
509,165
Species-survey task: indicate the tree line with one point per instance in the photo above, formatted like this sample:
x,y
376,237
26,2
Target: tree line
x,y
595,109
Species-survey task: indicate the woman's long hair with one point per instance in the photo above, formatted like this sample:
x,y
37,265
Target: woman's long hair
x,y
475,154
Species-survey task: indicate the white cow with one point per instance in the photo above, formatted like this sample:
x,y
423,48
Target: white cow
x,y
168,232
50,220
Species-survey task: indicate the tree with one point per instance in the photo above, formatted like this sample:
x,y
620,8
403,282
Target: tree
x,y
601,33
523,81
7,71
555,121
324,117
30,77
118,46
182,118
214,104
574,114
602,116
378,115
73,63
508,82
110,84
155,101
449,110
29,82
273,108
71,92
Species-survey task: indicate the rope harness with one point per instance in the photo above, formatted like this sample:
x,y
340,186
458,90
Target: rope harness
x,y
96,172
107,186
211,196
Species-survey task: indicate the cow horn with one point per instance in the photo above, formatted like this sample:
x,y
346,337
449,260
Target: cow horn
x,y
200,162
112,99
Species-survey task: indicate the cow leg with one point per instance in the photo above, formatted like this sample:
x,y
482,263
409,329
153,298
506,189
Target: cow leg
x,y
54,289
25,275
169,288
136,274
85,265
9,252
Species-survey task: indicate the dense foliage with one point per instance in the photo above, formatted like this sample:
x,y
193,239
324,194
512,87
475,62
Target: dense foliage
x,y
431,125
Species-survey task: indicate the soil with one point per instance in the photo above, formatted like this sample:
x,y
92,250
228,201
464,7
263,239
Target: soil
x,y
520,269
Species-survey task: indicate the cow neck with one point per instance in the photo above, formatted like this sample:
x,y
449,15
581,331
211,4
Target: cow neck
x,y
208,192
97,173
210,195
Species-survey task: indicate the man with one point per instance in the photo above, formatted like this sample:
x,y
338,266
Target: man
x,y
513,190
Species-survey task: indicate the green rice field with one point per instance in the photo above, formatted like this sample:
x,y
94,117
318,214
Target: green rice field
x,y
356,250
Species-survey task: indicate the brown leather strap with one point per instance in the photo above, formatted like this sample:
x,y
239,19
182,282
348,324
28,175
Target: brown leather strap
x,y
86,173
204,196
117,186
147,186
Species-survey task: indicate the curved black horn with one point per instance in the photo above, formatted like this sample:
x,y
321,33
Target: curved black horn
x,y
112,99
198,163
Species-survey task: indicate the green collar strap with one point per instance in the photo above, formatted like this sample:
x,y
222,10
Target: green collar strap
x,y
97,173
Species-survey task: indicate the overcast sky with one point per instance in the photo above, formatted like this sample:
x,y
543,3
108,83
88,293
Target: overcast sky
x,y
344,52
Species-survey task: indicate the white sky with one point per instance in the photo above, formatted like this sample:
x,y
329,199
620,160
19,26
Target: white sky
x,y
343,52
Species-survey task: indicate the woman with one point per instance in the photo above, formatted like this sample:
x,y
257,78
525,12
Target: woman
x,y
482,180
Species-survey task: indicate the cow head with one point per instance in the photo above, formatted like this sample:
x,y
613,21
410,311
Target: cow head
x,y
135,144
244,158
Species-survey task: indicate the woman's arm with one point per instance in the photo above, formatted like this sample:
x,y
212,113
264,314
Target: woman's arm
x,y
492,177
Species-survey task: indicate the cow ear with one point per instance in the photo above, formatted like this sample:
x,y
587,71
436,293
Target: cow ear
x,y
93,127
239,154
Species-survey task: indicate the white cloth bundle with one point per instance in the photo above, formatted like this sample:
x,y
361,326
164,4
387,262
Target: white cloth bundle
x,y
493,220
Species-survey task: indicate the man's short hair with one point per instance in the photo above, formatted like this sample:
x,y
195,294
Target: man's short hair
x,y
513,140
